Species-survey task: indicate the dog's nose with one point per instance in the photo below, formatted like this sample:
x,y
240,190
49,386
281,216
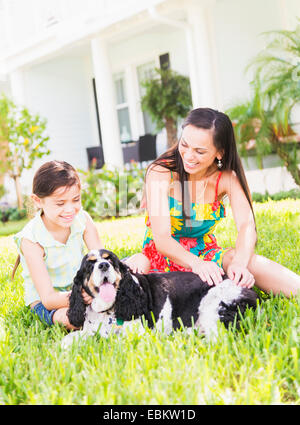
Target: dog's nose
x,y
103,266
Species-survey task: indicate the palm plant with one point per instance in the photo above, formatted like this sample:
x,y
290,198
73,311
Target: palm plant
x,y
278,68
167,98
266,118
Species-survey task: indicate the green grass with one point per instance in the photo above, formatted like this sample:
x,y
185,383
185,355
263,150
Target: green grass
x,y
257,365
12,227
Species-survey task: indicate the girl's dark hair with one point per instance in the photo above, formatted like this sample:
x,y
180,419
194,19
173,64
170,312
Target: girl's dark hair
x,y
49,177
224,141
52,175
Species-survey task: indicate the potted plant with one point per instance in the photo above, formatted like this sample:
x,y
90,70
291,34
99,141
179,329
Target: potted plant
x,y
167,98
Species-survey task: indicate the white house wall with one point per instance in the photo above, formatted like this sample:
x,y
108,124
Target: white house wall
x,y
61,91
238,27
60,88
148,46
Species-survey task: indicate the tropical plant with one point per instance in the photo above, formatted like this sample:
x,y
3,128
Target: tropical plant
x,y
22,141
12,214
2,191
167,98
266,118
112,191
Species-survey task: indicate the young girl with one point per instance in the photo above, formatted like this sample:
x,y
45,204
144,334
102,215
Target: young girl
x,y
185,188
51,245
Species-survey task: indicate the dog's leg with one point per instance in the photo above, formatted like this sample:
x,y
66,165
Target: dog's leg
x,y
133,326
76,335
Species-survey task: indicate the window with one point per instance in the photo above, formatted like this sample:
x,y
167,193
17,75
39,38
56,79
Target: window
x,y
144,72
122,108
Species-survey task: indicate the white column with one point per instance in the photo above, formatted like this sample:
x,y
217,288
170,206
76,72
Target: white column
x,y
193,68
107,104
202,43
283,15
17,85
132,97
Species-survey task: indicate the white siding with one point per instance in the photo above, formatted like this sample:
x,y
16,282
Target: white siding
x,y
61,90
238,27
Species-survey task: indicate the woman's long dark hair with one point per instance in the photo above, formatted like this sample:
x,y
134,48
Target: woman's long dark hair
x,y
224,141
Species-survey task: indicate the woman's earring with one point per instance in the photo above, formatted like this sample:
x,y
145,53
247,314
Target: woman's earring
x,y
220,163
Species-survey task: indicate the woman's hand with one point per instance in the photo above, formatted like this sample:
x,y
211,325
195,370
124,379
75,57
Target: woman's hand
x,y
86,297
208,271
240,275
138,263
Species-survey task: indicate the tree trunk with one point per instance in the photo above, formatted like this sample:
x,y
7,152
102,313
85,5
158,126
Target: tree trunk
x,y
171,132
18,192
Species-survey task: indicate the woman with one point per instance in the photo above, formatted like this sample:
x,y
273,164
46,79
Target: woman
x,y
185,188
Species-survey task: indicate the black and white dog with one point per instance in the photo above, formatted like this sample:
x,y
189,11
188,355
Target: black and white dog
x,y
123,299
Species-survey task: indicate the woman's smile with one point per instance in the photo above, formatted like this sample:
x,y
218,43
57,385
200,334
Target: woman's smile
x,y
190,165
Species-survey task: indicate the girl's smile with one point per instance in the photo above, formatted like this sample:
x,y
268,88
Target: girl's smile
x,y
60,208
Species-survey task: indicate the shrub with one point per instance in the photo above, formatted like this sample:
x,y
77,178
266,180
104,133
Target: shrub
x,y
12,214
112,191
291,194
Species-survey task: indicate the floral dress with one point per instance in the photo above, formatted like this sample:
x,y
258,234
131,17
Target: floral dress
x,y
196,237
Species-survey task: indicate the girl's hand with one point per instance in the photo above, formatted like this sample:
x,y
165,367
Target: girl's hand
x,y
240,275
208,271
86,297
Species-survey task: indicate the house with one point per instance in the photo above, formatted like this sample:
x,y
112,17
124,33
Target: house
x,y
80,64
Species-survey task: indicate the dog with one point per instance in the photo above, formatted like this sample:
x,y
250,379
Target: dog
x,y
165,301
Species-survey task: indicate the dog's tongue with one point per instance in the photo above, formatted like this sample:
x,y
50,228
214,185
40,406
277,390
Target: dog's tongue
x,y
107,292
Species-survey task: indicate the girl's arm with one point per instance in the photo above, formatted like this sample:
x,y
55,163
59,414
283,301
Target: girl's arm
x,y
157,190
90,235
33,254
245,224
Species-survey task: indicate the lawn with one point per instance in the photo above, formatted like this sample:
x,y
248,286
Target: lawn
x,y
259,364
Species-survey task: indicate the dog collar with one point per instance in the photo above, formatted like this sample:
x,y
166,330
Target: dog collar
x,y
120,322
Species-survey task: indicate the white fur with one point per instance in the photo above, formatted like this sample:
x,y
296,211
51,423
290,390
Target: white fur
x,y
225,291
165,323
98,275
104,323
135,279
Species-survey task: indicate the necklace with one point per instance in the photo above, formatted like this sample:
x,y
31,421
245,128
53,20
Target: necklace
x,y
198,190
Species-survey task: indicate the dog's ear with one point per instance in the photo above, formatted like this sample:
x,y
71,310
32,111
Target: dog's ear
x,y
230,312
131,299
124,269
76,311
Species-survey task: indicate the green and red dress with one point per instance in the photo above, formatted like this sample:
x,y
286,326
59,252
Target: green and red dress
x,y
197,237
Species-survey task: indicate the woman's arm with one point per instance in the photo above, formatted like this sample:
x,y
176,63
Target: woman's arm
x,y
157,190
33,254
245,225
90,235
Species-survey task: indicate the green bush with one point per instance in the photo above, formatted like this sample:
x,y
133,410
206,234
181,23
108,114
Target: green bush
x,y
2,190
12,214
291,194
112,191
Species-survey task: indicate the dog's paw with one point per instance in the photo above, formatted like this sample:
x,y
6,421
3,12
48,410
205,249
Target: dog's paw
x,y
67,341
